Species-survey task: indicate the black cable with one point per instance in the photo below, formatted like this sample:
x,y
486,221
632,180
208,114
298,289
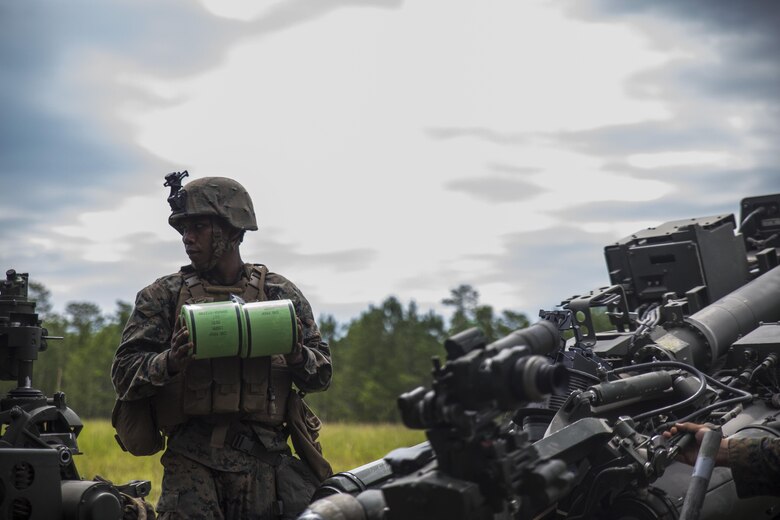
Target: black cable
x,y
726,387
673,364
725,372
744,397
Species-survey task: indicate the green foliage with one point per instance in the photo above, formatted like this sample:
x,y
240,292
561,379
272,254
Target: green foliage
x,y
469,313
84,318
601,321
464,299
38,292
88,368
385,352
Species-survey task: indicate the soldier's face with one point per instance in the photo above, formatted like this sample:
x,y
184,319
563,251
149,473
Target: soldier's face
x,y
197,235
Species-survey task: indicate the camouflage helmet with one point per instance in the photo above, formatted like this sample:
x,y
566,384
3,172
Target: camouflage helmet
x,y
217,197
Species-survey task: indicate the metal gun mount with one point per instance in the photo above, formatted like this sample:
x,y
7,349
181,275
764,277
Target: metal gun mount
x,y
38,475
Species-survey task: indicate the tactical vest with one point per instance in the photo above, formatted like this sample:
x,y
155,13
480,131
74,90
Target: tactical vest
x,y
254,389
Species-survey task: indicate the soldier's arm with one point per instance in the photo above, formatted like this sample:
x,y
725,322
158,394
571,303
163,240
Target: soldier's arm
x,y
140,364
755,465
312,370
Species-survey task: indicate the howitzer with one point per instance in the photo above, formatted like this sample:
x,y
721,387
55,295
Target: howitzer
x,y
38,475
475,465
694,307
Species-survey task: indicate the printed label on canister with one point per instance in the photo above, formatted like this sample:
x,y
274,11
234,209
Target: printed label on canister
x,y
216,329
271,327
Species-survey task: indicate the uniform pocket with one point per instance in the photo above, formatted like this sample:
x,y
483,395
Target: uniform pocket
x,y
281,384
295,486
197,388
254,383
227,385
136,429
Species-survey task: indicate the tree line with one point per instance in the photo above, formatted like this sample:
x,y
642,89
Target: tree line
x,y
382,353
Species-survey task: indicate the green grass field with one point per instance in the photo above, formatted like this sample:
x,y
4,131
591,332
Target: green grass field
x,y
346,446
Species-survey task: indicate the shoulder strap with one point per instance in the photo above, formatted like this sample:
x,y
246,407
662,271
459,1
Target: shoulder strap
x,y
192,287
255,290
193,283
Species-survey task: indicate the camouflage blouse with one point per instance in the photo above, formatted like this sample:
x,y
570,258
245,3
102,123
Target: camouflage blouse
x,y
140,367
755,465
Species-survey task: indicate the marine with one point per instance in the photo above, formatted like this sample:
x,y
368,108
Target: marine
x,y
226,420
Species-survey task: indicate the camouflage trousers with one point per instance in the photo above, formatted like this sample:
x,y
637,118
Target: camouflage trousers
x,y
193,491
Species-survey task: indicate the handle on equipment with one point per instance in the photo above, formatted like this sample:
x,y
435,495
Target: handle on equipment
x,y
702,471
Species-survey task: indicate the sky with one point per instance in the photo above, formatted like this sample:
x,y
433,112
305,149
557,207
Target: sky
x,y
390,147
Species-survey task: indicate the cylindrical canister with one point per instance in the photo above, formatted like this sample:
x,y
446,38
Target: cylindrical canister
x,y
271,328
216,329
232,329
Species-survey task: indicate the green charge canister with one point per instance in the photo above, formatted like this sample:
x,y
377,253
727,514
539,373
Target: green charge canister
x,y
233,329
216,329
271,328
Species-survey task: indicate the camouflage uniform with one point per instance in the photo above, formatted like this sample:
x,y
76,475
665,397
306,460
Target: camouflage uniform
x,y
755,465
203,480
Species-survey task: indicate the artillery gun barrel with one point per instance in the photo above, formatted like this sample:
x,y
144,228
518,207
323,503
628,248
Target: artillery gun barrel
x,y
720,324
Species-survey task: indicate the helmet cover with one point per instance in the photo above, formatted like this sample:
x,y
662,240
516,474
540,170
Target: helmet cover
x,y
215,197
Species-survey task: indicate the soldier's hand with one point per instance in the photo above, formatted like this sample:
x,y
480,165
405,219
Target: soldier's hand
x,y
689,454
296,356
181,346
691,451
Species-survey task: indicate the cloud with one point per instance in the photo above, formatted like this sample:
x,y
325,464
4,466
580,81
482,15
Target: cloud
x,y
548,266
495,189
629,217
59,64
754,17
508,168
742,36
648,137
265,247
58,263
64,68
480,133
699,191
722,86
531,271
286,14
